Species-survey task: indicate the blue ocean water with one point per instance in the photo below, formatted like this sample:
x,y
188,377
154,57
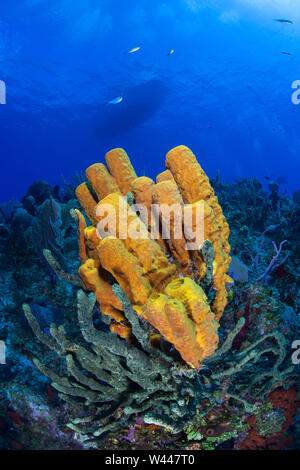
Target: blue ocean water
x,y
226,91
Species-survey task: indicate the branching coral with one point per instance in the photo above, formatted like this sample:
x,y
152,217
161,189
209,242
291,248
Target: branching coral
x,y
273,264
114,380
150,271
119,379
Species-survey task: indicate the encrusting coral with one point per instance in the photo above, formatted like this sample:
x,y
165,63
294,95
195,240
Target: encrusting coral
x,y
164,281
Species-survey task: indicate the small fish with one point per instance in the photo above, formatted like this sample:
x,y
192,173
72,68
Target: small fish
x,y
134,49
267,178
171,52
280,20
286,53
117,100
72,349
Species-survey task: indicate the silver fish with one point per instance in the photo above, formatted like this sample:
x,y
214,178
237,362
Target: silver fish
x,y
171,52
117,100
134,49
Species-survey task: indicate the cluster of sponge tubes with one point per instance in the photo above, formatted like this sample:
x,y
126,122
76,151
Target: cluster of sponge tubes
x,y
161,278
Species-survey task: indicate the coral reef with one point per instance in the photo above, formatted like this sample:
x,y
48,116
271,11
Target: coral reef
x,y
244,395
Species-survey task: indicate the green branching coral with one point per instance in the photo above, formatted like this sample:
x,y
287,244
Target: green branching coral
x,y
113,377
260,367
113,380
54,264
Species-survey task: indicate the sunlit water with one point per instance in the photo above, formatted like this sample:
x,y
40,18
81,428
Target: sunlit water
x,y
225,91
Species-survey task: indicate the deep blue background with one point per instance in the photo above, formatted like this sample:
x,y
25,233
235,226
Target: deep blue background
x,y
226,92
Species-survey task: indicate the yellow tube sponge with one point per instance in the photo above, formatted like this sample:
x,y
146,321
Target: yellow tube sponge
x,y
81,224
92,240
205,229
170,318
195,302
122,330
194,186
121,169
100,180
167,196
124,266
191,180
164,176
184,333
92,237
142,191
86,200
136,238
165,274
109,304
